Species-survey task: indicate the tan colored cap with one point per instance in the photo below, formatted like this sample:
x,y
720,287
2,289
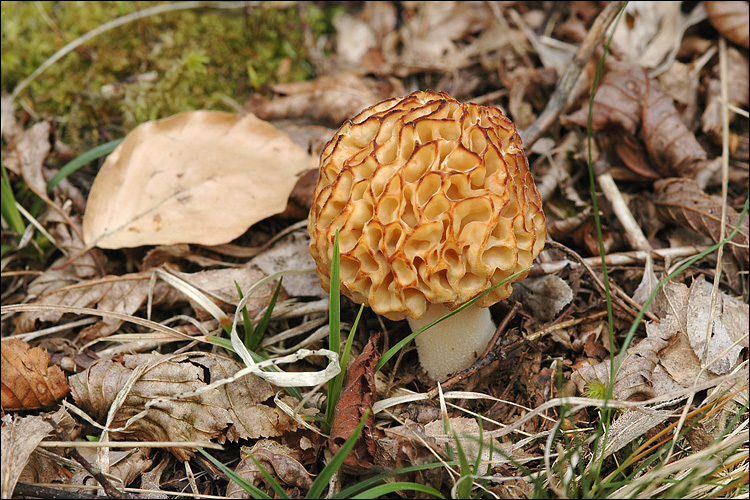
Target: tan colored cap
x,y
434,203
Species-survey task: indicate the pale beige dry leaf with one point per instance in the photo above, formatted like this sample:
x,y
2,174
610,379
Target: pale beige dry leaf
x,y
354,37
126,466
729,332
196,177
649,32
730,19
738,92
44,467
220,285
633,380
467,430
278,459
292,252
431,34
151,480
19,437
329,98
683,202
232,411
32,149
122,294
546,295
629,426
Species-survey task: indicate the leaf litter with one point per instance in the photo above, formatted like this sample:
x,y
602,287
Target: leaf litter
x,y
177,198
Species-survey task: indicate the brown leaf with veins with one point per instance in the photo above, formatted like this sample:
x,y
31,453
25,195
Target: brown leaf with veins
x,y
278,459
122,294
27,381
683,202
629,100
358,395
730,19
231,411
633,379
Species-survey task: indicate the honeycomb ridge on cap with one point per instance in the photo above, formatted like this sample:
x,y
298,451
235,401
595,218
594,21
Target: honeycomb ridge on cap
x,y
434,203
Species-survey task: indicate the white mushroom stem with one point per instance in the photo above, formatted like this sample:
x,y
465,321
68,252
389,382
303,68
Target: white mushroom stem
x,y
454,343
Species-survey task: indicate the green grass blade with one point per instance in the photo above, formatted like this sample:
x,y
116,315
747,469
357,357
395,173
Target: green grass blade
x,y
400,345
334,302
251,489
334,329
260,328
78,162
385,489
8,203
246,323
465,482
334,392
320,483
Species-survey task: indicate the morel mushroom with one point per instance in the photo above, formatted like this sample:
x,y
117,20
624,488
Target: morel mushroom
x,y
434,204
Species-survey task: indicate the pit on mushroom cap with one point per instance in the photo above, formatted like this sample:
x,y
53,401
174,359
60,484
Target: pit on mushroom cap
x,y
434,204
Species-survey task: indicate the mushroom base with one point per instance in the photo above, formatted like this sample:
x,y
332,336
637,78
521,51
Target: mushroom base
x,y
453,344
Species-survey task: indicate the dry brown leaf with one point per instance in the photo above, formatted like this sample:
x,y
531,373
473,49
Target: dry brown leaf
x,y
730,19
278,459
683,202
232,411
629,426
546,295
728,334
32,149
122,294
633,380
126,466
430,35
332,99
196,177
19,437
738,93
358,394
628,99
28,382
649,32
220,285
292,252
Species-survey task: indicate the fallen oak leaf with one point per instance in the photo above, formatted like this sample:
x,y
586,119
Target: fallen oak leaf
x,y
232,411
278,459
631,101
27,380
195,177
683,202
357,396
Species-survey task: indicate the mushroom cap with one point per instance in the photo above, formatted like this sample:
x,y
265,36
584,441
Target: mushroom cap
x,y
433,201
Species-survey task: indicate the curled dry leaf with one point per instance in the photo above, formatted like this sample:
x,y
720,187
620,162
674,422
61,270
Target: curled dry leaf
x,y
19,437
121,294
545,295
232,411
278,459
633,380
332,99
631,101
683,202
196,177
27,381
731,19
126,467
358,395
728,334
738,93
